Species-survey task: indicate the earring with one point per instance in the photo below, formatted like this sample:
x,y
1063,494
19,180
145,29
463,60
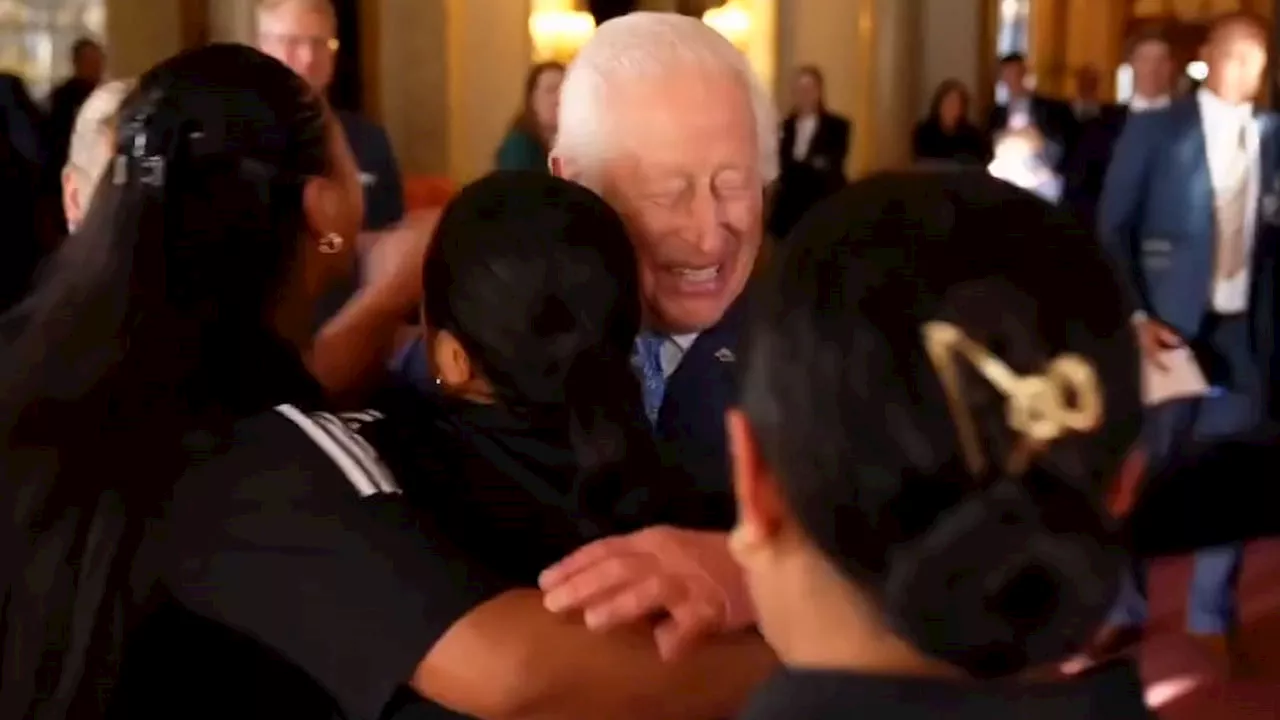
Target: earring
x,y
331,244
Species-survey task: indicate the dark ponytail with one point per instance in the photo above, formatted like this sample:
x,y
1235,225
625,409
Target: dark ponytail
x,y
610,437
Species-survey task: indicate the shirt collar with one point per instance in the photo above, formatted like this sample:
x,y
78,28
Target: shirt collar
x,y
1216,107
1142,104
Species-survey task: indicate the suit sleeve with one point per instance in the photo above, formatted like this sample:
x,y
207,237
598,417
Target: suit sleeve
x,y
318,564
389,206
1124,198
844,139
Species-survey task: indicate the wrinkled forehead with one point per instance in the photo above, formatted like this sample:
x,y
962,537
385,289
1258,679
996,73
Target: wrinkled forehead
x,y
684,115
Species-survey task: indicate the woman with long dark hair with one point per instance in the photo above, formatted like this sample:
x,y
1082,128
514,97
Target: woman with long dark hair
x,y
947,134
185,532
529,140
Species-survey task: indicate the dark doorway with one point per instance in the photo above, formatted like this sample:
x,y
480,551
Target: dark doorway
x,y
347,90
604,10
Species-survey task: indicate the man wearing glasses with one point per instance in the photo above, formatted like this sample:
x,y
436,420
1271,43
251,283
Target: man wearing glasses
x,y
303,35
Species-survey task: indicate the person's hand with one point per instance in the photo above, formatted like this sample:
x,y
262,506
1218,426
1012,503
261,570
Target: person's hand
x,y
1154,339
687,574
392,260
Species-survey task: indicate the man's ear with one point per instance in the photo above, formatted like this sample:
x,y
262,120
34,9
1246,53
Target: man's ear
x,y
761,514
72,207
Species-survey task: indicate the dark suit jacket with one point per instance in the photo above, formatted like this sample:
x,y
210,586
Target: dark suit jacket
x,y
802,183
1086,167
1156,218
690,424
1055,121
1156,214
383,195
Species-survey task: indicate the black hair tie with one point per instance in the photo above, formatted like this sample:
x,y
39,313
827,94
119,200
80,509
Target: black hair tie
x,y
992,590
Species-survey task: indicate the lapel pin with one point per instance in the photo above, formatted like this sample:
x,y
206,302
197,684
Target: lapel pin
x,y
725,355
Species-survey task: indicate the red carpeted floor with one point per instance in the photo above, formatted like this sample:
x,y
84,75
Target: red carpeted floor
x,y
1182,682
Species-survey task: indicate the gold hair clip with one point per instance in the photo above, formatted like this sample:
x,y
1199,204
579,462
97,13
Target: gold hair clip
x,y
1066,397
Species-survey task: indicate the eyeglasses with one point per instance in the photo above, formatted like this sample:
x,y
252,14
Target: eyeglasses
x,y
292,42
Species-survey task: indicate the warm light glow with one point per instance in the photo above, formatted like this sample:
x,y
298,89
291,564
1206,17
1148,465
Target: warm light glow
x,y
730,20
559,32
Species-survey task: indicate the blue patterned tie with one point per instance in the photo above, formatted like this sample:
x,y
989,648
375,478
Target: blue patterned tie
x,y
648,363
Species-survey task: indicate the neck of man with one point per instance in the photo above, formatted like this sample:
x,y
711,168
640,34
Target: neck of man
x,y
1225,95
839,629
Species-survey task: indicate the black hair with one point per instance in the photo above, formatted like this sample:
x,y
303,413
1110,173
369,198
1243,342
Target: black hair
x,y
990,570
526,120
1147,35
153,319
82,45
1012,59
536,278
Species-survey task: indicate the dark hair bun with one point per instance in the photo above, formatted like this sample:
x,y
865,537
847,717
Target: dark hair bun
x,y
991,589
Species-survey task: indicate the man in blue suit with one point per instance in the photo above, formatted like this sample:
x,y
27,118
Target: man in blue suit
x,y
1188,210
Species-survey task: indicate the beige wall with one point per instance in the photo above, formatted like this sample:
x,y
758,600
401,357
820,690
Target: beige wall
x,y
141,34
955,33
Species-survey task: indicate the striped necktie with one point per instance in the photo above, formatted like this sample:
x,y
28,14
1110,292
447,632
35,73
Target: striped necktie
x,y
648,363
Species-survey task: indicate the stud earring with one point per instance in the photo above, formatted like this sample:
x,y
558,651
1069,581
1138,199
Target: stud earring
x,y
331,244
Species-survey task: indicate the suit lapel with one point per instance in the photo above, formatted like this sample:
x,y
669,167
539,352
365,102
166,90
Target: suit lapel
x,y
1197,153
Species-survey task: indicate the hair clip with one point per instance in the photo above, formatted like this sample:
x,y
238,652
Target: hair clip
x,y
1040,407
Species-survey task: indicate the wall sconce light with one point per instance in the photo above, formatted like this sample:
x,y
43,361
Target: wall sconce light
x,y
558,31
731,20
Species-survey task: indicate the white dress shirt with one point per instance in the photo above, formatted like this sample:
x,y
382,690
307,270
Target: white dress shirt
x,y
1138,103
1221,123
806,127
1018,113
672,351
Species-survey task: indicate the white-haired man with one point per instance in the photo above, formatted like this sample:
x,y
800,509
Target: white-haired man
x,y
665,119
91,148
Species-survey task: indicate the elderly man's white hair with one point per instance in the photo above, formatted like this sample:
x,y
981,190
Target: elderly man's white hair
x,y
91,138
650,46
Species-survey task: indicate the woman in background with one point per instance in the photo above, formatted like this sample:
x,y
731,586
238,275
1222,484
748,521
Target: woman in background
x,y
947,134
813,147
529,140
932,417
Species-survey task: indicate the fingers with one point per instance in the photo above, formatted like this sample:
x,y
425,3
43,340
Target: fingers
x,y
689,623
581,559
595,583
633,603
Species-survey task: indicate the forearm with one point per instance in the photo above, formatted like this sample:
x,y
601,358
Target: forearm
x,y
619,675
529,664
349,354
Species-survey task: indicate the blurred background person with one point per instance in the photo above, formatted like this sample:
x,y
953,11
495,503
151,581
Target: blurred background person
x,y
303,35
814,145
898,560
533,131
1022,107
24,234
88,62
1018,158
23,119
91,149
1087,103
1189,214
947,134
1151,59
